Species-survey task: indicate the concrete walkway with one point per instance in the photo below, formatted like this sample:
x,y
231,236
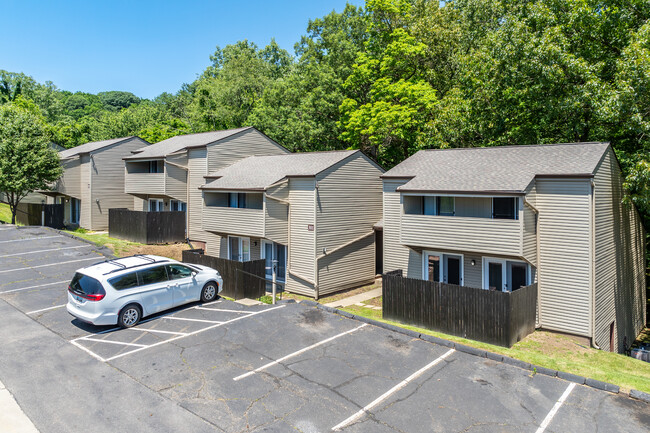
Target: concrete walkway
x,y
12,417
356,299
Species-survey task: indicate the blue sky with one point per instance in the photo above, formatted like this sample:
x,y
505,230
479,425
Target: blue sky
x,y
141,46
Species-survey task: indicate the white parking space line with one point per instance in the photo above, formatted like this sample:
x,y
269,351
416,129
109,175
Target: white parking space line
x,y
195,332
391,391
191,320
46,309
49,264
30,239
555,408
33,287
45,251
114,342
213,302
88,351
291,355
224,311
158,331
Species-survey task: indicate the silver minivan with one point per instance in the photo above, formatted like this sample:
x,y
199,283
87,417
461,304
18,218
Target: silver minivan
x,y
123,291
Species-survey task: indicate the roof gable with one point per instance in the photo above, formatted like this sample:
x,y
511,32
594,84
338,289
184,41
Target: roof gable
x,y
91,147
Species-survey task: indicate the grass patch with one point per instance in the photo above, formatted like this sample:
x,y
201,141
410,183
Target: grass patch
x,y
555,351
119,247
268,299
5,213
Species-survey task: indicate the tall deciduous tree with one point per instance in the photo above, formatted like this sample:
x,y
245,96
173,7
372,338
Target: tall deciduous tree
x,y
27,162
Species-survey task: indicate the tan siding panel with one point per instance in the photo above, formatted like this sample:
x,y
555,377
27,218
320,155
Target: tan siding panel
x,y
564,261
197,164
302,253
236,221
85,207
70,181
107,181
348,205
232,149
396,256
477,207
619,257
145,183
276,221
530,232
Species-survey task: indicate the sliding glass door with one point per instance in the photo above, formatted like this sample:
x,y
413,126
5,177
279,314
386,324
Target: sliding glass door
x,y
239,249
505,275
443,268
274,253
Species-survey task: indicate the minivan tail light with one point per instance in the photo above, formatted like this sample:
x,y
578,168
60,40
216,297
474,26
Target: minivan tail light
x,y
94,297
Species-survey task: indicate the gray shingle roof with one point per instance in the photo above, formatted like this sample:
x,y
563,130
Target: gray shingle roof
x,y
260,172
182,142
495,169
89,147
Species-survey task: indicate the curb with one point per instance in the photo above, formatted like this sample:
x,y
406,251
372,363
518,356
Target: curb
x,y
536,369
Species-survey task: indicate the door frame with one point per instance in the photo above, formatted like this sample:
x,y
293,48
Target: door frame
x,y
504,272
241,239
443,265
263,256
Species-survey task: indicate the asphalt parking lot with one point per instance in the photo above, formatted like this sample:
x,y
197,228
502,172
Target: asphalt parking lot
x,y
226,367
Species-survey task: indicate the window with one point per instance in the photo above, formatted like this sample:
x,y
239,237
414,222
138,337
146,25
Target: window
x,y
156,167
126,281
237,199
429,205
83,285
445,206
177,205
176,272
74,211
153,275
505,208
156,205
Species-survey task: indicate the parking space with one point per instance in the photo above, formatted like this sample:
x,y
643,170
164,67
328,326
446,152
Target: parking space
x,y
295,367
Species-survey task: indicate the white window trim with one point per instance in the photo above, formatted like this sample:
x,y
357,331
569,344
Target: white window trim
x,y
161,206
180,202
443,256
241,238
504,271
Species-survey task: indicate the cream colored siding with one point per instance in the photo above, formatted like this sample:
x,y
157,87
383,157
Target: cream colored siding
x,y
564,261
247,143
85,206
473,275
197,164
490,236
145,183
302,251
477,207
107,181
70,181
530,230
276,221
176,182
619,256
140,204
396,256
348,204
238,221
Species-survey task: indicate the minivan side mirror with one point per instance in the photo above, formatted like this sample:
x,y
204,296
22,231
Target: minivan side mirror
x,y
194,274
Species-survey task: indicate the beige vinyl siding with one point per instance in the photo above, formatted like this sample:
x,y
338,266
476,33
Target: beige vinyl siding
x,y
530,231
107,181
140,204
276,221
302,251
396,255
176,177
348,205
145,183
473,275
564,262
197,165
244,144
619,260
237,221
85,207
70,182
489,236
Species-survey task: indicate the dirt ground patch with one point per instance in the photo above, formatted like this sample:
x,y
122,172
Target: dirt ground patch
x,y
173,251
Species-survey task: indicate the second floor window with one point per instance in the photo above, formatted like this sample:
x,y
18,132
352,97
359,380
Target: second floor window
x,y
237,199
505,208
156,167
429,205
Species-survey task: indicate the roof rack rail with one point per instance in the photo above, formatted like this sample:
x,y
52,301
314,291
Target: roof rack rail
x,y
137,266
144,257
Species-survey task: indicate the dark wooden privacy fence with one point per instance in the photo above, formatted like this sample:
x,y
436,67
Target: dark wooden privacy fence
x,y
146,227
240,279
500,318
31,214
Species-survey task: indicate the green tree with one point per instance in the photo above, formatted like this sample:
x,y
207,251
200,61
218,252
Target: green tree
x,y
115,100
27,162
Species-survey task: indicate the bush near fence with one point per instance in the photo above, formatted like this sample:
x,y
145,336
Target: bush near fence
x,y
147,227
494,317
240,279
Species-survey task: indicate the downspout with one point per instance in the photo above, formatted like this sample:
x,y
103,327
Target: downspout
x,y
539,308
592,259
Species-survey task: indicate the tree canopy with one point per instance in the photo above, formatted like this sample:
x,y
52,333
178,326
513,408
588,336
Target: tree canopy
x,y
396,76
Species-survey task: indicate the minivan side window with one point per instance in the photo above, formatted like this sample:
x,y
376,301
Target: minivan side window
x,y
126,281
177,272
152,275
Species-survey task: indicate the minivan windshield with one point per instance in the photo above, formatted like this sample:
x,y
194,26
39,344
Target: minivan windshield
x,y
84,285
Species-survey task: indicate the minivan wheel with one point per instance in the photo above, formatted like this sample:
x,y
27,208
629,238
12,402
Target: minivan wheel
x,y
129,316
209,292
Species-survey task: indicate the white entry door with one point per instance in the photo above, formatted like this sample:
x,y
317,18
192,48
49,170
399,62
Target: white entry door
x,y
239,249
